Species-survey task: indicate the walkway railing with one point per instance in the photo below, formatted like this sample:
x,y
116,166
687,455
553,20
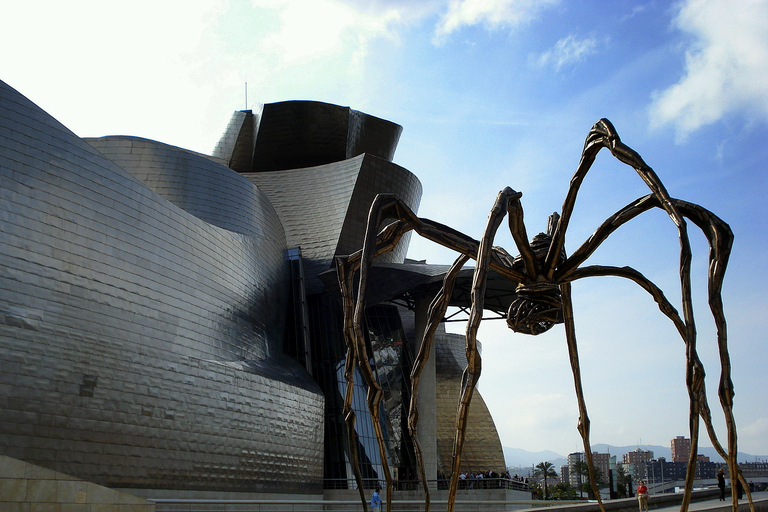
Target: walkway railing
x,y
170,505
415,485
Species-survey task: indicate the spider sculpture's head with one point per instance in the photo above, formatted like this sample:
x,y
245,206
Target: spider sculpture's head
x,y
538,305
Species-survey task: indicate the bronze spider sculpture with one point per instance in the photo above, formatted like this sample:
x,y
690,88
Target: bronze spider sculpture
x,y
543,274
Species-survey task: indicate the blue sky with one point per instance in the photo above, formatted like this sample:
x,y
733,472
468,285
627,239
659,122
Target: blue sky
x,y
491,93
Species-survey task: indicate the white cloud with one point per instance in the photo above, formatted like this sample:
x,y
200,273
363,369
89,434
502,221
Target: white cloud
x,y
636,10
491,13
312,28
726,67
569,50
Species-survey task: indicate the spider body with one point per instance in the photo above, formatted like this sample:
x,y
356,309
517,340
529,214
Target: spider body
x,y
537,308
539,304
542,274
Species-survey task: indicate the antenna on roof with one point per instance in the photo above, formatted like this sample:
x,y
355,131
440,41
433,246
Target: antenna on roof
x,y
246,95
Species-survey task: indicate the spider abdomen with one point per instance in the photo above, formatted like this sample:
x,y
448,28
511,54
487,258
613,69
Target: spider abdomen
x,y
536,309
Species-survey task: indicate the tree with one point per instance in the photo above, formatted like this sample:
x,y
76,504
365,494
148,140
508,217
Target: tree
x,y
623,482
545,470
581,469
563,491
599,483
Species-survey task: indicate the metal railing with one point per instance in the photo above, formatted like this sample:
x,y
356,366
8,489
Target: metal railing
x,y
177,505
440,484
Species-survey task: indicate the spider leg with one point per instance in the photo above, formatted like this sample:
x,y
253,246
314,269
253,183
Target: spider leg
x,y
474,364
603,134
720,239
519,234
573,352
345,276
390,206
694,369
383,207
435,315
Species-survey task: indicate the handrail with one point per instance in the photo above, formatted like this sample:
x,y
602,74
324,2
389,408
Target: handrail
x,y
439,484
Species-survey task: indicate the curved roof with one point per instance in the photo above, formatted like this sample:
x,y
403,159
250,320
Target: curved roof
x,y
401,282
296,134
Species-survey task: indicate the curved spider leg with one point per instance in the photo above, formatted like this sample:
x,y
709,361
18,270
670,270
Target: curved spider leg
x,y
670,312
519,234
603,134
573,353
389,206
720,239
382,206
435,315
474,363
345,273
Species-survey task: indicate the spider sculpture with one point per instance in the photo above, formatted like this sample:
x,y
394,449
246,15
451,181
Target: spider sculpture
x,y
542,274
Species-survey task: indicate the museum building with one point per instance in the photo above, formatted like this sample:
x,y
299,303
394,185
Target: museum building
x,y
170,320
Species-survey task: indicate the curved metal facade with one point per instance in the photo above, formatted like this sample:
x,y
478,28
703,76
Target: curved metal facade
x,y
296,134
141,343
324,208
147,299
482,446
196,184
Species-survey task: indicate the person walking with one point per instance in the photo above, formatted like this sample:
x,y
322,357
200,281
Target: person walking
x,y
642,497
376,501
721,483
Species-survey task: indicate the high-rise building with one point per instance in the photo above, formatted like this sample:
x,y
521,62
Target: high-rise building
x,y
636,456
577,467
681,449
635,463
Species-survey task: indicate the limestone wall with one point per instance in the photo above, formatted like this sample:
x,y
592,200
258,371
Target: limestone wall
x,y
24,487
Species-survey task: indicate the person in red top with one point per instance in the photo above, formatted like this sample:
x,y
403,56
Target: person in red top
x,y
642,496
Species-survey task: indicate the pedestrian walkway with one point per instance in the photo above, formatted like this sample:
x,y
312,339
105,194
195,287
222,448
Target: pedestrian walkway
x,y
760,500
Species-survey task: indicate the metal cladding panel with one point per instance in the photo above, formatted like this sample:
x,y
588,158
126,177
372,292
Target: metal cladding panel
x,y
324,208
236,145
312,204
140,343
211,192
482,446
372,135
298,134
378,176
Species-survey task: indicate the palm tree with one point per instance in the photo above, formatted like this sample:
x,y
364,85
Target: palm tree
x,y
545,470
623,481
580,468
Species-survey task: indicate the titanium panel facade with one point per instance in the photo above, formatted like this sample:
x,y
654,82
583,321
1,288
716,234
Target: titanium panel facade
x,y
324,208
196,184
149,296
141,343
296,134
482,446
235,148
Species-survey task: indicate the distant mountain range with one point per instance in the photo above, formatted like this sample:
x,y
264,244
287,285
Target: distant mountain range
x,y
519,458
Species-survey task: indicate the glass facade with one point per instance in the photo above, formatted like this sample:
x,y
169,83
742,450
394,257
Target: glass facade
x,y
391,359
